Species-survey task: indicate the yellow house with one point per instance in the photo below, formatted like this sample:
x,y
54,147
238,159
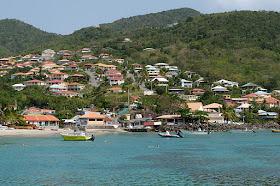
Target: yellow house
x,y
93,120
275,93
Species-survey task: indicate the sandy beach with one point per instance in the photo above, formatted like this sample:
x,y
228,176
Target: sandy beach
x,y
17,133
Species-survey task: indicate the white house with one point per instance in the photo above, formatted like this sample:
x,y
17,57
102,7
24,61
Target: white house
x,y
35,82
18,87
57,88
161,81
226,83
48,54
186,83
219,90
153,72
116,81
161,65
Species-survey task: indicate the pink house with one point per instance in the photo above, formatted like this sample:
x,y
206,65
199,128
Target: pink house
x,y
116,81
197,91
58,76
34,82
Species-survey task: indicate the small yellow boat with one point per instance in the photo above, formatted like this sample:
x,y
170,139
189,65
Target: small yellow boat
x,y
76,136
276,130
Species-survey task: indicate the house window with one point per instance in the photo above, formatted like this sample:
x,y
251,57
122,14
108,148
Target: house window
x,y
91,119
99,119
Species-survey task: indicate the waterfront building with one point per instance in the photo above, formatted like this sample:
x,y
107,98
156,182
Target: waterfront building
x,y
42,121
92,120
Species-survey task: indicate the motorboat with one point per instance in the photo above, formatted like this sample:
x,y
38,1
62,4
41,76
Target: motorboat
x,y
168,135
199,132
242,131
275,130
77,136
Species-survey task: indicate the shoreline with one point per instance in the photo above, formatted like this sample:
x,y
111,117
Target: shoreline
x,y
19,133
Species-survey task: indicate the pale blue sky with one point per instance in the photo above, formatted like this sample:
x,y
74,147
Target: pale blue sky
x,y
66,16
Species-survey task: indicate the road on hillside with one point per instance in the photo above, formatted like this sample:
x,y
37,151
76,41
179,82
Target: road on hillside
x,y
142,85
92,81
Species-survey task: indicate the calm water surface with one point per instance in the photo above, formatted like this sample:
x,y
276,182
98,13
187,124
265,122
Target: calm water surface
x,y
133,159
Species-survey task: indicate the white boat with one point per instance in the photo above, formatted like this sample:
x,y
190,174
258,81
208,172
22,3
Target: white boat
x,y
196,132
242,131
3,127
168,135
77,136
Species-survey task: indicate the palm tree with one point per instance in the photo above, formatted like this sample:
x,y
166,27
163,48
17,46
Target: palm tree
x,y
228,113
200,115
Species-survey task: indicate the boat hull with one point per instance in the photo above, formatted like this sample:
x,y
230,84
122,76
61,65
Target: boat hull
x,y
75,138
276,130
170,135
243,131
196,132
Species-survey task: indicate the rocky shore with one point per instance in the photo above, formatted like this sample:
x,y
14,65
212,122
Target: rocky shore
x,y
229,126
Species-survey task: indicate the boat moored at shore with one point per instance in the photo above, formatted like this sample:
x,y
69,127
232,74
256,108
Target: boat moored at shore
x,y
242,131
77,136
168,135
275,130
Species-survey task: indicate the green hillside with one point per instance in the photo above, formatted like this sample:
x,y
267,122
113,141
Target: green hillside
x,y
151,20
16,36
241,46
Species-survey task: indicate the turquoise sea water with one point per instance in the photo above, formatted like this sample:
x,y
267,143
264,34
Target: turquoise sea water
x,y
133,159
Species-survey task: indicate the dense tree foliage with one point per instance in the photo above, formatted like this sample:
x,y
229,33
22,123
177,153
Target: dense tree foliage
x,y
151,20
16,36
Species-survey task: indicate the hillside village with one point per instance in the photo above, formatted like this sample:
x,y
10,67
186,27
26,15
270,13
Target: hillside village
x,y
140,96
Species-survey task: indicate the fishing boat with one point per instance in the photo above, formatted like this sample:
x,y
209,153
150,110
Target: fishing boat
x,y
242,131
276,130
77,136
168,135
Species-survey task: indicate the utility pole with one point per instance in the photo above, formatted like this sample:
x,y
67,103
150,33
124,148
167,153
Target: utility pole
x,y
151,85
128,97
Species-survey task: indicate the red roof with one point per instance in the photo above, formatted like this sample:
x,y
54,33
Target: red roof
x,y
58,73
66,92
115,88
56,81
271,100
197,90
89,64
78,75
75,84
115,74
117,78
250,95
112,70
189,72
39,118
136,64
135,97
35,80
92,115
19,74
